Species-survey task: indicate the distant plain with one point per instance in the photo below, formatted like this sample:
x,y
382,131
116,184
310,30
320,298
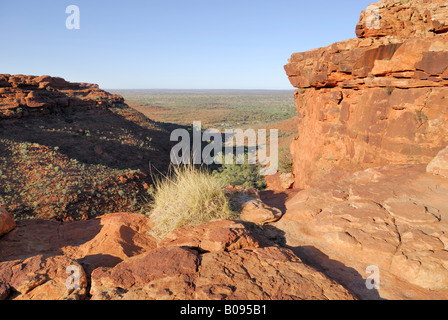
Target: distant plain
x,y
218,109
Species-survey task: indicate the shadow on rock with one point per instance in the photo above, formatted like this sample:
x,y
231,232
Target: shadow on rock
x,y
333,269
275,199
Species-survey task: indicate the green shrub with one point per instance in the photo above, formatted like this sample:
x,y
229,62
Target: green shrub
x,y
389,90
285,161
188,196
246,174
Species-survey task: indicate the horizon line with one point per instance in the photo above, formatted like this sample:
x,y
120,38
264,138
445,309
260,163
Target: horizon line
x,y
177,89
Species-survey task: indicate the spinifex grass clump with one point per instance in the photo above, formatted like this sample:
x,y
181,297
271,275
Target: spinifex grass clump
x,y
188,196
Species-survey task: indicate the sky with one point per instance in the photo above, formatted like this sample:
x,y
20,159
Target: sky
x,y
170,44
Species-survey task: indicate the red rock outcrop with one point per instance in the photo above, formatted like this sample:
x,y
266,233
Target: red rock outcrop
x,y
103,241
375,100
116,258
404,18
42,278
22,95
372,116
439,165
269,273
394,218
7,222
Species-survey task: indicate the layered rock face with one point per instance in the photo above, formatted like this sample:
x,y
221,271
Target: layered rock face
x,y
371,154
404,18
22,95
376,100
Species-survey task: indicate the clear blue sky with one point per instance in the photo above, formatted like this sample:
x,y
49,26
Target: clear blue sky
x,y
172,44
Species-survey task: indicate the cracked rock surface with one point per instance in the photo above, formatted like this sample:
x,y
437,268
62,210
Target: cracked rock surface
x,y
116,258
395,218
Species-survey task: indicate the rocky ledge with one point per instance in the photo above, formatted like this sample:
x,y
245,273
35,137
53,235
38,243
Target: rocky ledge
x,y
115,257
394,218
22,95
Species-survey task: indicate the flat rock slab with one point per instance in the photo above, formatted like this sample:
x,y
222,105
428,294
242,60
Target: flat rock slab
x,y
394,218
269,273
100,242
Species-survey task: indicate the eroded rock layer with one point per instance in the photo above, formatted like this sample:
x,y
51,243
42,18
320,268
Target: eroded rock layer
x,y
372,101
23,95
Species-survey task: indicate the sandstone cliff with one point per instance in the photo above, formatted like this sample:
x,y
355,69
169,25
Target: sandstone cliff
x,y
371,153
376,100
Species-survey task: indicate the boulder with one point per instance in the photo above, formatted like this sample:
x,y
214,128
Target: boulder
x,y
439,165
280,181
43,278
216,236
6,221
258,212
142,270
100,242
269,273
252,208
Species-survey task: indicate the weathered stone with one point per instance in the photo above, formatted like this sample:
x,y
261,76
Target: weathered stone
x,y
260,274
258,212
403,19
439,165
252,208
43,278
280,181
156,264
222,235
393,218
6,221
20,94
101,242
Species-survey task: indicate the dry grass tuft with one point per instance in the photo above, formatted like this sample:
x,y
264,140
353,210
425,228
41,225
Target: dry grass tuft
x,y
188,196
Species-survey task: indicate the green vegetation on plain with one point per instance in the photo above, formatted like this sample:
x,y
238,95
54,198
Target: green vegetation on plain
x,y
219,109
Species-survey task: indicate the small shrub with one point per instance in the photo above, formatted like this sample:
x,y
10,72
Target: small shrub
x,y
247,175
188,196
285,161
390,90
